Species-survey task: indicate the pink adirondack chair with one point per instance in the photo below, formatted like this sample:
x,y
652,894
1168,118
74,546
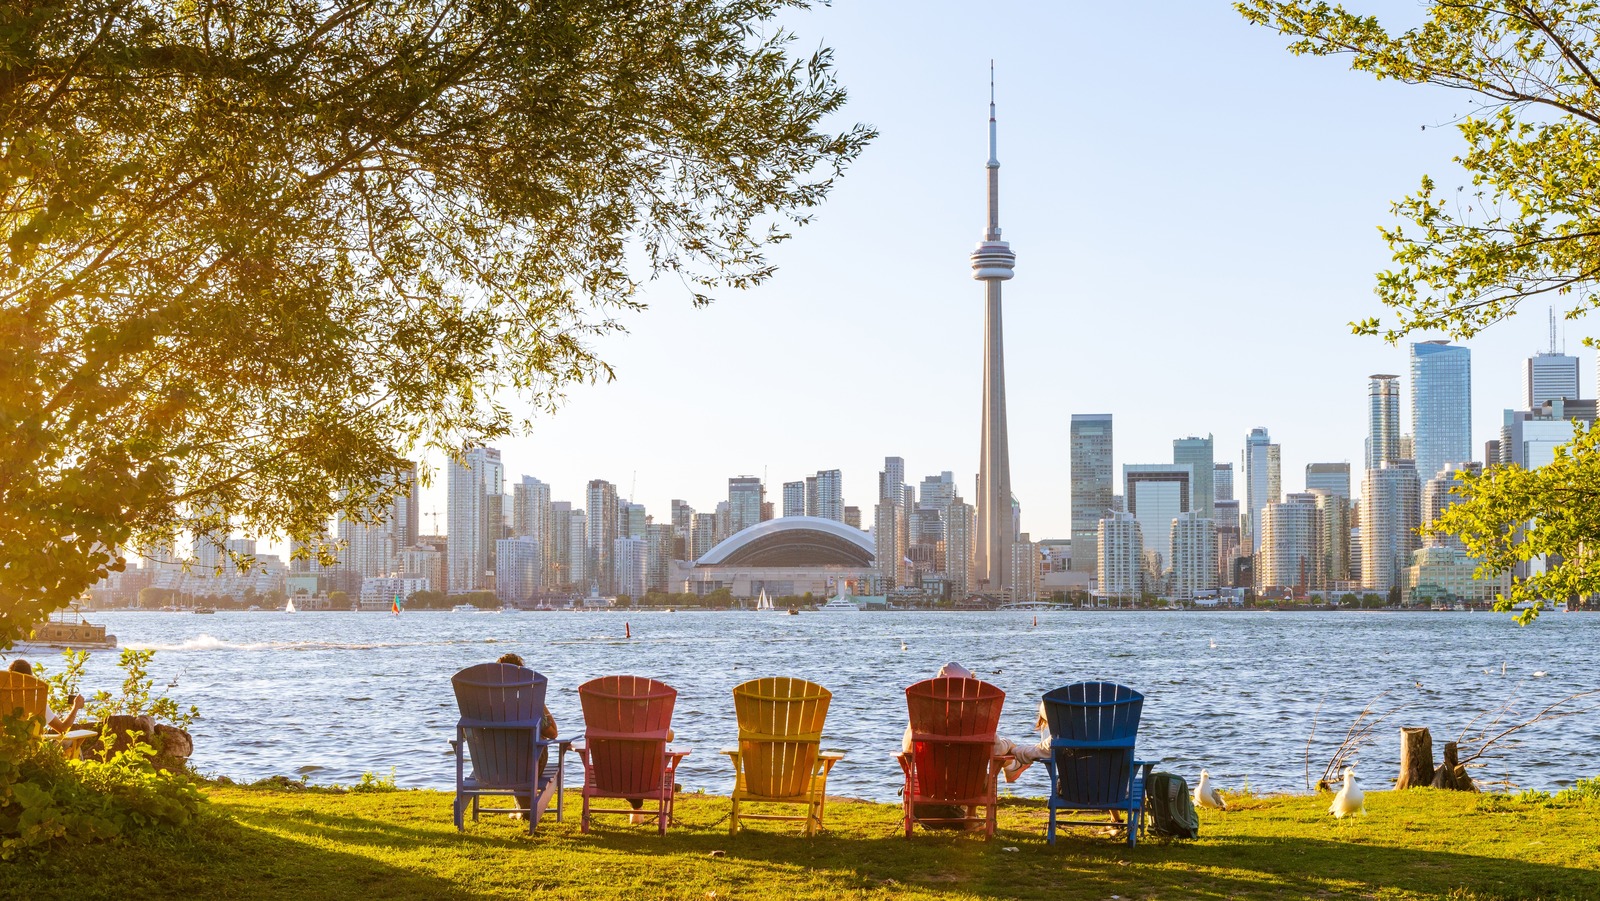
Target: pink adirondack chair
x,y
952,763
625,751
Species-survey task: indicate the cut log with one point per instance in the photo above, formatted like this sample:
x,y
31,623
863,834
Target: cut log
x,y
1416,758
1452,775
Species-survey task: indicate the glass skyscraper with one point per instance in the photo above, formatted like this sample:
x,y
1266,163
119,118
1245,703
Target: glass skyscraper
x,y
1441,405
1197,452
1092,487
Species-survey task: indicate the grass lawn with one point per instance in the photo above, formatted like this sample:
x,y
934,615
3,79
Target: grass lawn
x,y
318,845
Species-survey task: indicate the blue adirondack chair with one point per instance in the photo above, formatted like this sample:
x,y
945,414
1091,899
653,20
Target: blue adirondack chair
x,y
502,709
1091,764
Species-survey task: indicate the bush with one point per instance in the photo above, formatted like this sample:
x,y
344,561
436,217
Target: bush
x,y
136,698
47,801
372,784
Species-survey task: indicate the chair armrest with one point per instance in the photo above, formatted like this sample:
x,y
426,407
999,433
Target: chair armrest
x,y
731,752
825,762
679,751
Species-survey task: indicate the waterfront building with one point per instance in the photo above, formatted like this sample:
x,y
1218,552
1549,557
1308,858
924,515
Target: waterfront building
x,y
1263,481
1390,504
682,514
1444,574
992,264
474,488
1383,420
794,497
379,592
631,564
1157,493
580,571
1441,405
1023,580
1121,563
1289,554
1198,454
601,513
1529,437
1194,555
423,561
1228,540
958,532
788,556
1334,478
662,542
1221,483
530,511
518,569
887,527
1092,484
1333,539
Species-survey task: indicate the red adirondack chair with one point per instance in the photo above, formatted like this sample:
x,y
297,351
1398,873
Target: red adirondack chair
x,y
952,763
625,754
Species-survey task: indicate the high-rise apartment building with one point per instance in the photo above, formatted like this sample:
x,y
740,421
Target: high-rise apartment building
x,y
1289,555
1156,494
794,497
1333,478
530,509
630,559
1198,454
830,494
703,535
1222,482
1333,542
1438,494
580,570
518,569
745,496
1383,419
1390,500
558,572
662,540
892,479
1228,540
1121,563
852,517
1441,405
959,522
889,552
1263,480
603,507
1093,485
632,519
1023,580
1193,541
474,488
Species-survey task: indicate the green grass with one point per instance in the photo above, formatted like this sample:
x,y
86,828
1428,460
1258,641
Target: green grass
x,y
320,845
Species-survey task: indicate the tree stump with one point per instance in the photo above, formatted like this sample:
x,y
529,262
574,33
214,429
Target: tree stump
x,y
1452,775
1416,758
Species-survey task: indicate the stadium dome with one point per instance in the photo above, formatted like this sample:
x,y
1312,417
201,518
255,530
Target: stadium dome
x,y
793,541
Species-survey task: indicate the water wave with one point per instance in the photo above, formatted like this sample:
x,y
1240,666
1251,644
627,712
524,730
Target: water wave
x,y
204,642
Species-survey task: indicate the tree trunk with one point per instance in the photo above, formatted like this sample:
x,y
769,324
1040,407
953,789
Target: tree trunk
x,y
1416,758
1452,775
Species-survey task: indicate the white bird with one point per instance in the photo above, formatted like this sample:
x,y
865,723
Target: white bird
x,y
1206,794
903,645
1540,674
1213,643
1350,799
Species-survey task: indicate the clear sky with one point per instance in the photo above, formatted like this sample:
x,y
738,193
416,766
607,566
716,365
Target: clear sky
x,y
1194,213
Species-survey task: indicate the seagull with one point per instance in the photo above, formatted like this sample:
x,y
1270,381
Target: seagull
x,y
1540,674
903,646
1213,643
1350,799
1206,794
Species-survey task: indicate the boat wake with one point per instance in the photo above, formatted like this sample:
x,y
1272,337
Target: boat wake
x,y
204,642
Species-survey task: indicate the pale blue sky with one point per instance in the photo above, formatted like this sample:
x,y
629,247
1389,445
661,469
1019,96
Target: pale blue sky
x,y
1194,214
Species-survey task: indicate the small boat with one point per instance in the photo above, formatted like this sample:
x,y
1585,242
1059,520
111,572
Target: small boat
x,y
764,602
793,612
68,629
289,607
205,610
463,608
253,608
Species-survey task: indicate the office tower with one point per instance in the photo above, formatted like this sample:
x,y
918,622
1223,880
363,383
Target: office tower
x,y
601,511
1197,452
1092,485
630,561
1288,558
1438,494
1491,452
724,520
1023,580
1333,541
632,520
992,263
1221,483
703,535
959,521
1193,541
938,491
889,553
794,498
1333,478
1157,493
830,494
369,549
1390,499
1262,480
1228,539
559,556
530,509
852,517
662,542
474,489
892,479
745,496
1121,564
1441,405
811,500
580,571
1549,375
518,569
1383,419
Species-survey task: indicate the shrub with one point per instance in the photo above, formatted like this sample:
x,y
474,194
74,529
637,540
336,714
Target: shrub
x,y
1582,790
372,783
137,699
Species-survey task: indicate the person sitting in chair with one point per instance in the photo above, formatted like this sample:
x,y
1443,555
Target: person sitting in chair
x,y
59,723
547,730
1022,756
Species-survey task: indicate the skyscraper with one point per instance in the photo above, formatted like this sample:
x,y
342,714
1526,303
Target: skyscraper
x,y
992,263
1221,482
1383,419
1441,405
518,568
959,519
1548,375
1198,453
1333,478
1092,485
745,496
1157,493
602,521
794,498
1289,556
1262,480
892,479
1389,514
1121,560
1194,555
830,494
474,488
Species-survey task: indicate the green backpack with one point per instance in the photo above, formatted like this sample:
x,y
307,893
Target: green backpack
x,y
1171,810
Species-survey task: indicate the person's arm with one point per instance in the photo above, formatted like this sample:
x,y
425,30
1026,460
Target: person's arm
x,y
64,723
548,728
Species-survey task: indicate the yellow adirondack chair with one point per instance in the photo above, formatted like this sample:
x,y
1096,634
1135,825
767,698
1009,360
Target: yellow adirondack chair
x,y
23,695
780,759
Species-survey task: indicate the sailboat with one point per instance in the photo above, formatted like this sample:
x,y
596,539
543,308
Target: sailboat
x,y
289,607
764,602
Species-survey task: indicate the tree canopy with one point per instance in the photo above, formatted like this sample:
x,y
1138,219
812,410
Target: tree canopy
x,y
256,253
1527,227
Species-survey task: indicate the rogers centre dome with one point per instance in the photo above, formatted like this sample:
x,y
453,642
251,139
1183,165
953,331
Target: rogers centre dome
x,y
791,542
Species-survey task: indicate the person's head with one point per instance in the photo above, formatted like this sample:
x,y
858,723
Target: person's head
x,y
954,671
21,666
512,659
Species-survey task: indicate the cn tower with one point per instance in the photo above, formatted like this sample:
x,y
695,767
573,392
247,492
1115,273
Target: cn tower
x,y
992,263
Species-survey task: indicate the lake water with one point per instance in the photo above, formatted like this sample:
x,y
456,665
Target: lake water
x,y
347,693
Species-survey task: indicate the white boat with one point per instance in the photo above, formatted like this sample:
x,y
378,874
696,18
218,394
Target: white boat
x,y
463,608
595,602
289,607
764,602
840,603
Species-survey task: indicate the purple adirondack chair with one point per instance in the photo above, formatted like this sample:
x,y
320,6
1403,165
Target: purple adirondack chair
x,y
502,710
